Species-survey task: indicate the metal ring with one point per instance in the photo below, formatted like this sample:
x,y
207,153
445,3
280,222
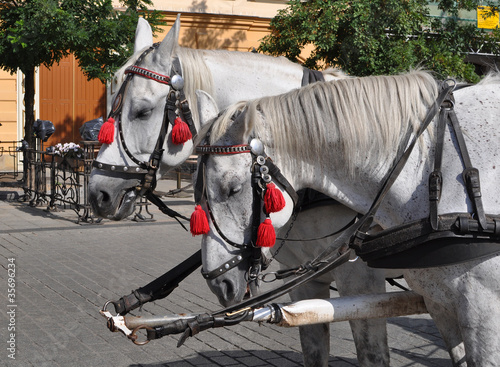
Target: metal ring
x,y
133,336
269,277
104,308
264,169
453,83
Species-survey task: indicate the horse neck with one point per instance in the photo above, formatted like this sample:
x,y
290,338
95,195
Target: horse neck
x,y
241,76
359,192
326,173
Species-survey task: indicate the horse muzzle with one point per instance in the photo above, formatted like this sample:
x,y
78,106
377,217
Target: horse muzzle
x,y
112,198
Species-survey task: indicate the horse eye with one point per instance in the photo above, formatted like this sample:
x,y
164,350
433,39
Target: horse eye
x,y
144,114
234,190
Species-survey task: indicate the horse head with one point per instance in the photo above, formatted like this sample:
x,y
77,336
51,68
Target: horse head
x,y
141,103
230,195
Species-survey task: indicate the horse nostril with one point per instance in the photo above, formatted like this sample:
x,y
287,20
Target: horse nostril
x,y
104,197
229,290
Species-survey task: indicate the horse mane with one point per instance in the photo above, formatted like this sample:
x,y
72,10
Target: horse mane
x,y
196,76
493,77
361,119
336,73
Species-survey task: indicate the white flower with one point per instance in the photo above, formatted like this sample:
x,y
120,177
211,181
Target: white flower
x,y
63,149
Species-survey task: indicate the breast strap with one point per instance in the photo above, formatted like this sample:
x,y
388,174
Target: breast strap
x,y
470,174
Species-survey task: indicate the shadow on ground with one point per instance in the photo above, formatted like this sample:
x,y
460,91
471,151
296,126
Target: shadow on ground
x,y
245,358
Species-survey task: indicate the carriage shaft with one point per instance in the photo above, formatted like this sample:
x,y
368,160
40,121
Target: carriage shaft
x,y
133,322
318,311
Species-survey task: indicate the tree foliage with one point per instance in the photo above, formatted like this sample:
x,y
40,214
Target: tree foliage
x,y
380,36
42,32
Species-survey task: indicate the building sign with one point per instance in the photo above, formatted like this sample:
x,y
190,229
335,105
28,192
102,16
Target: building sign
x,y
490,22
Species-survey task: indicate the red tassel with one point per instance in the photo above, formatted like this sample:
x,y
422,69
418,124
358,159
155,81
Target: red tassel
x,y
107,132
266,237
199,222
273,199
180,132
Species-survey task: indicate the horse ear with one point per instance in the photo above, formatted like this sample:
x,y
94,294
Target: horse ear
x,y
207,107
143,35
169,44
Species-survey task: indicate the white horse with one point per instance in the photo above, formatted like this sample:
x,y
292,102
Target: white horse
x,y
229,77
341,138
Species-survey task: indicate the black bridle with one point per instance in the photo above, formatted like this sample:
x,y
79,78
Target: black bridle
x,y
176,105
263,172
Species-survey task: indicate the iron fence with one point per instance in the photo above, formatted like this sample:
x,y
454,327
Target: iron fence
x,y
9,153
62,181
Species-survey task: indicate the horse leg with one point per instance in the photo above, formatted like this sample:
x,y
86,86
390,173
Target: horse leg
x,y
370,336
478,313
447,324
471,291
314,339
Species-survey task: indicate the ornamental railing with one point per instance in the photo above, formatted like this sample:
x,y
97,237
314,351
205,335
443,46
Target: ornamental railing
x,y
60,181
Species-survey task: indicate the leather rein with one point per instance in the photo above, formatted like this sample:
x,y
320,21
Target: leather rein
x,y
176,105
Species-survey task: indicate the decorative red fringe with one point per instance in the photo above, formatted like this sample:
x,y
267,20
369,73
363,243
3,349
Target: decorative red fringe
x,y
273,199
199,222
266,237
180,132
107,132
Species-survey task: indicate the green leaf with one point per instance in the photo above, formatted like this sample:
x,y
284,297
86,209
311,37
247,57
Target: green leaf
x,y
379,36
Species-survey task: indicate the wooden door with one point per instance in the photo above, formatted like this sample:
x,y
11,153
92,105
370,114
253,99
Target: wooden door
x,y
68,100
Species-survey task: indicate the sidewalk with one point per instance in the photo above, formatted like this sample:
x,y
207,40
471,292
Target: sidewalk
x,y
65,272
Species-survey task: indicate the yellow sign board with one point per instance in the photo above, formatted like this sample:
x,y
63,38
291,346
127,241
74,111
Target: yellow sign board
x,y
489,22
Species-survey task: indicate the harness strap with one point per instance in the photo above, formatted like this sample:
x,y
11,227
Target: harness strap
x,y
159,288
149,182
121,169
165,209
367,219
470,174
311,76
157,77
275,172
228,265
435,178
458,238
118,102
335,255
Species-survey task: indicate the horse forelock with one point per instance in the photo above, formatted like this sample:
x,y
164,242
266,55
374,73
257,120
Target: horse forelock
x,y
196,76
225,121
362,120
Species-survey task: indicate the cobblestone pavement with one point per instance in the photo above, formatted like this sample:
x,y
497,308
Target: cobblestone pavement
x,y
65,272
